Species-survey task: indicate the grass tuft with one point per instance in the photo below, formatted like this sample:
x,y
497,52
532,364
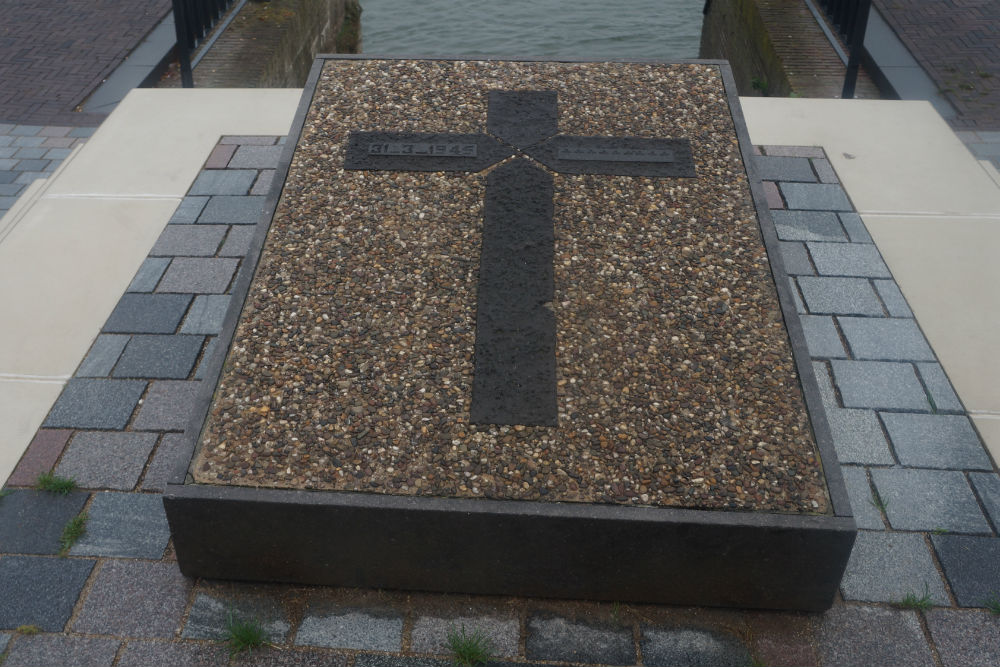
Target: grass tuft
x,y
468,649
28,630
5,492
911,601
72,531
244,634
49,482
993,604
878,502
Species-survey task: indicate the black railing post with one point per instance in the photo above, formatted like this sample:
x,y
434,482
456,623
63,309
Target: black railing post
x,y
185,41
856,43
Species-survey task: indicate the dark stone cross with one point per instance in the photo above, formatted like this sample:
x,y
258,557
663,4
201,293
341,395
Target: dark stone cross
x,y
514,380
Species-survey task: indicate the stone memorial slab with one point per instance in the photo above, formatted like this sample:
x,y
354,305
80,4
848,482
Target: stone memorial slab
x,y
505,301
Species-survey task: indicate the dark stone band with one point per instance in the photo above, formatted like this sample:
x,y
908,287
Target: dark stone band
x,y
515,363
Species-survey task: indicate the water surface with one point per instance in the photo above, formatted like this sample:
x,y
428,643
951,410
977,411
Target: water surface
x,y
662,29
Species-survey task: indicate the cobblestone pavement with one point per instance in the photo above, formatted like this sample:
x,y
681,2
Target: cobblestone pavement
x,y
30,152
957,43
54,54
926,496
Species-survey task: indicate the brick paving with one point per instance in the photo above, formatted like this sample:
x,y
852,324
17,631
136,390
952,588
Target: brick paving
x,y
54,54
925,494
31,152
957,43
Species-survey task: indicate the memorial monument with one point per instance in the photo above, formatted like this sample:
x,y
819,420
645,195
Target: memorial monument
x,y
518,328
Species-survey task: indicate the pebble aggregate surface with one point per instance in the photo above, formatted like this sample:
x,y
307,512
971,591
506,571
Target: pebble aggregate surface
x,y
351,367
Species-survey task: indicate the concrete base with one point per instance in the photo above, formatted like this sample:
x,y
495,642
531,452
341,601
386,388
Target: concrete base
x,y
593,552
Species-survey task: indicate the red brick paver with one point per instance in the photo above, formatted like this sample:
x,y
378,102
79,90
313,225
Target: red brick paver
x,y
957,42
54,54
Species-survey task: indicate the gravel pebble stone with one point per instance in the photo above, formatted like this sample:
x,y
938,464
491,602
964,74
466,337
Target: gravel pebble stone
x,y
124,525
680,341
987,486
95,403
965,638
50,650
886,567
929,500
149,274
31,522
106,460
430,633
879,385
692,648
40,591
840,296
189,240
808,226
188,210
340,627
165,460
232,211
796,259
168,406
936,441
206,314
939,387
198,275
132,598
822,338
148,313
870,635
163,654
848,259
970,564
855,228
103,355
161,357
866,515
223,182
560,639
210,614
40,456
885,339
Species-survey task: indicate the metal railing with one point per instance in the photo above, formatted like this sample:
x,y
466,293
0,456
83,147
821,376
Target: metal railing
x,y
850,19
193,19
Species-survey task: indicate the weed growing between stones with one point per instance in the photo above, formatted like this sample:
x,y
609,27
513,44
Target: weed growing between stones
x,y
244,634
46,481
468,649
73,531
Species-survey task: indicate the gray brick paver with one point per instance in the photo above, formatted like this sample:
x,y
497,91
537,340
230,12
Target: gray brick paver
x,y
206,314
189,240
965,638
929,500
61,650
159,357
188,210
808,226
839,296
936,441
430,633
333,626
784,169
31,522
132,598
886,567
885,339
987,486
815,197
939,387
692,647
198,275
102,356
232,210
893,299
822,338
970,564
853,635
148,275
124,525
106,460
168,406
848,259
40,591
95,403
879,385
866,515
211,611
223,182
556,638
148,313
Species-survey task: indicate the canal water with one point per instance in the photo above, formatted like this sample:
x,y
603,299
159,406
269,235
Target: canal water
x,y
661,29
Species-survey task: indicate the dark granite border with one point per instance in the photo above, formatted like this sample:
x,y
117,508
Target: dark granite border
x,y
522,548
